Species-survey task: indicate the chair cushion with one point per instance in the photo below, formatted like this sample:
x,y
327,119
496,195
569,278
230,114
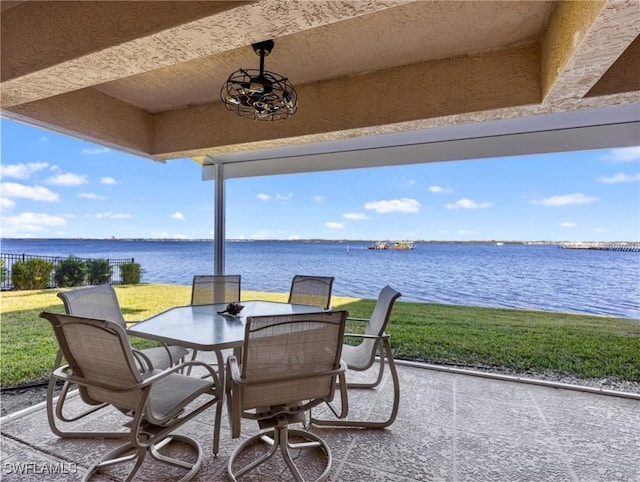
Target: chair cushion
x,y
171,394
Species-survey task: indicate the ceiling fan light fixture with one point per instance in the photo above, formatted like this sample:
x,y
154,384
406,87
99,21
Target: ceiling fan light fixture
x,y
259,94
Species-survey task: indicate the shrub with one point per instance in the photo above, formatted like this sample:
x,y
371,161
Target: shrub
x,y
3,272
98,271
130,273
33,274
70,272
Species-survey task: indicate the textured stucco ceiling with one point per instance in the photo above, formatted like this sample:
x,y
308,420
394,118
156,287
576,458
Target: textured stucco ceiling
x,y
145,76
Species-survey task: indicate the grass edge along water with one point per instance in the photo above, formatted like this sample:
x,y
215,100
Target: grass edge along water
x,y
584,346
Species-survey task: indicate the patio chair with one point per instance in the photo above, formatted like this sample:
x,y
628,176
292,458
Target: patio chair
x,y
361,357
311,290
214,289
100,302
101,362
290,364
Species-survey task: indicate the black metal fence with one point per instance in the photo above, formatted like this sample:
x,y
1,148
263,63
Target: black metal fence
x,y
9,259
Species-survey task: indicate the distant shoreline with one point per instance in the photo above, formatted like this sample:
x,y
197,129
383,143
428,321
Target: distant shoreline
x,y
319,240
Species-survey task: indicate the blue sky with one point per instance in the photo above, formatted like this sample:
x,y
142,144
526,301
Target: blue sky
x,y
54,186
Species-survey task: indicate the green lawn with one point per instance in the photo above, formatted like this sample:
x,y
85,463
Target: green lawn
x,y
584,346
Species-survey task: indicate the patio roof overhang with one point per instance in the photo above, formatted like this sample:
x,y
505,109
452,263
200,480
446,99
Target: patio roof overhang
x,y
379,83
145,77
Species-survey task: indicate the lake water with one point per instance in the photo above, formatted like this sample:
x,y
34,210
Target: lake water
x,y
541,277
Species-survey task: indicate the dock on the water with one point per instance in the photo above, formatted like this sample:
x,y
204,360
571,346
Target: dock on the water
x,y
603,246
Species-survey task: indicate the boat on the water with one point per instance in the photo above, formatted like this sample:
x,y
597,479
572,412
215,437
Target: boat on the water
x,y
403,245
398,245
380,245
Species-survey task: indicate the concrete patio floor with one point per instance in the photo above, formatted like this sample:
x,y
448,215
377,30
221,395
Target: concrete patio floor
x,y
450,427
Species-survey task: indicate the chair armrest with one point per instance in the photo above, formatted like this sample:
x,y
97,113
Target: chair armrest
x,y
362,335
212,373
64,373
143,360
344,398
351,318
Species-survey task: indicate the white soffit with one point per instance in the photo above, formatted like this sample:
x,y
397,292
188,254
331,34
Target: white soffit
x,y
608,127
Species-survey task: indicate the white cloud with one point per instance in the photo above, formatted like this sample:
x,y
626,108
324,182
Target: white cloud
x,y
440,189
404,205
412,182
466,231
565,200
333,225
6,203
355,216
44,139
34,193
319,199
284,197
620,177
110,215
31,222
567,224
21,170
107,180
178,216
68,179
95,150
90,195
623,154
465,203
294,237
263,197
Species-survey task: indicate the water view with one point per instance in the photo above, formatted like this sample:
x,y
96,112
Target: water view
x,y
540,277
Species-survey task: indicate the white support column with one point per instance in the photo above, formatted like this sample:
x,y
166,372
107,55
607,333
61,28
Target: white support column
x,y
220,221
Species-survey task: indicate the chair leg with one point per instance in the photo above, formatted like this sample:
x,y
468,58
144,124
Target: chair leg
x,y
278,438
216,428
193,467
59,414
388,354
122,454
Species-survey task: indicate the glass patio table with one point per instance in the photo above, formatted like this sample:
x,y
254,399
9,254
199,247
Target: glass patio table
x,y
203,328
